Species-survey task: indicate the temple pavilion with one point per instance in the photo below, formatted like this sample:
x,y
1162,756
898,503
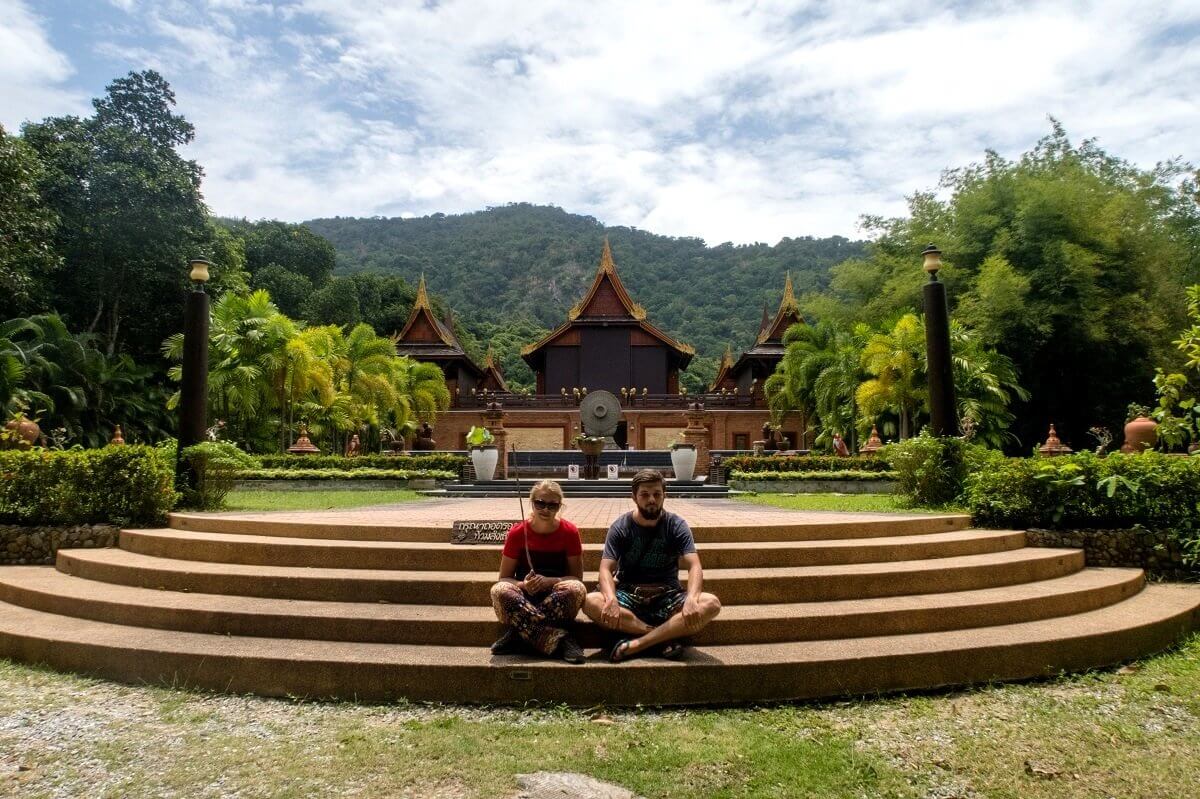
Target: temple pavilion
x,y
606,342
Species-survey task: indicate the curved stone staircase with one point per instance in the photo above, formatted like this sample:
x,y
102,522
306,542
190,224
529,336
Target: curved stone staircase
x,y
376,605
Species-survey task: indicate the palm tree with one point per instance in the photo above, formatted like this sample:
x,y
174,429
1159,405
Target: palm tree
x,y
985,382
895,361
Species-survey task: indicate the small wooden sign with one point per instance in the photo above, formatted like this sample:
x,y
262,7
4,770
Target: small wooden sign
x,y
479,532
573,471
612,471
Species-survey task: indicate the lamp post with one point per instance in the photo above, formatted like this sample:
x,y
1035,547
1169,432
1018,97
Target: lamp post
x,y
193,393
943,413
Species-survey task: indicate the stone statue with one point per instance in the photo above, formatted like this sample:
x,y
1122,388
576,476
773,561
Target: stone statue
x,y
425,442
353,447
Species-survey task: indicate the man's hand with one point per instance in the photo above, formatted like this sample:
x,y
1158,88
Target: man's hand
x,y
536,583
693,619
610,614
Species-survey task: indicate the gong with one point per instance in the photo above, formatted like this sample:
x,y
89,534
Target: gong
x,y
599,414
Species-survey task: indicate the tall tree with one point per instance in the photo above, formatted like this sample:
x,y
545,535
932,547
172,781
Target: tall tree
x,y
26,227
130,209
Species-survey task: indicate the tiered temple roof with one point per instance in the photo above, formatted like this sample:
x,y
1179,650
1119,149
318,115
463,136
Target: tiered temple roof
x,y
426,338
493,379
760,360
605,303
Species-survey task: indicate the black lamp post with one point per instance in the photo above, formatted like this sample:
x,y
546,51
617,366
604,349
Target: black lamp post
x,y
193,393
943,411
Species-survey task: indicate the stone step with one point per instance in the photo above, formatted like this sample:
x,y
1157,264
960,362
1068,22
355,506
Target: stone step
x,y
743,524
1151,620
281,551
43,588
733,586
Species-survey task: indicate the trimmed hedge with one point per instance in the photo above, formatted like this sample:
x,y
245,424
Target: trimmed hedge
x,y
1083,490
847,475
345,474
762,464
131,485
440,462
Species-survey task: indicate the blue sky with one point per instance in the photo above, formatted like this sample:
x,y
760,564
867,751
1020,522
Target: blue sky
x,y
729,121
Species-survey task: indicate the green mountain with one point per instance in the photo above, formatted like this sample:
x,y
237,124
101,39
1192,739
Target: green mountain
x,y
520,268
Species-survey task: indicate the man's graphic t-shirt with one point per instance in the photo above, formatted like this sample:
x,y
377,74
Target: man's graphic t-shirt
x,y
549,551
648,554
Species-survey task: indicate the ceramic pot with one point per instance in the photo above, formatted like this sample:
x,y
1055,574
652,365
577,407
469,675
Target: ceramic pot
x,y
484,460
1140,435
21,433
683,461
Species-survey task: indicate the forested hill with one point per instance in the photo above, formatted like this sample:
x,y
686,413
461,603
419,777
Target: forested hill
x,y
519,264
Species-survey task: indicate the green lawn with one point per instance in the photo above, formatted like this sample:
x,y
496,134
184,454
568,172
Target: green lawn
x,y
1133,732
315,500
840,502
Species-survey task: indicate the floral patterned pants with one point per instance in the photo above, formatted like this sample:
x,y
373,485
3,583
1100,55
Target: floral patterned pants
x,y
540,619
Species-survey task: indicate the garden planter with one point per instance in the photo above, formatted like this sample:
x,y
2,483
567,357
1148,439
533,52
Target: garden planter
x,y
591,449
683,461
20,433
1140,435
484,460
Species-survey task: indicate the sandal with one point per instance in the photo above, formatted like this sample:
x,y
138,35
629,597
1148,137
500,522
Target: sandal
x,y
617,653
672,650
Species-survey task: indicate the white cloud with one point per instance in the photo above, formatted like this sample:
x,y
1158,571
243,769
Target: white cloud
x,y
31,70
736,121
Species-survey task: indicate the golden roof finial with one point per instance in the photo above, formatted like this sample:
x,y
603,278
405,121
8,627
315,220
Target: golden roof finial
x,y
488,361
789,299
606,259
422,296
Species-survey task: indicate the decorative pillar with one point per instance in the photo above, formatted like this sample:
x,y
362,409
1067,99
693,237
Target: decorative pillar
x,y
696,434
493,420
943,411
1054,446
193,391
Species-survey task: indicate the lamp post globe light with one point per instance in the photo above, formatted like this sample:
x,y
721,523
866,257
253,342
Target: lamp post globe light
x,y
943,413
193,391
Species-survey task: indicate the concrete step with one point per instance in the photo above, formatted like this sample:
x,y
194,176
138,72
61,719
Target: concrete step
x,y
43,588
281,551
730,527
1151,620
733,586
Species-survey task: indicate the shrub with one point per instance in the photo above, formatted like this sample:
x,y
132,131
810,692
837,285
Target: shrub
x,y
847,474
216,465
437,462
1161,492
803,463
132,485
932,470
345,474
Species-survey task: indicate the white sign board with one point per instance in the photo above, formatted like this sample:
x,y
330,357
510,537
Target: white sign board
x,y
573,471
612,471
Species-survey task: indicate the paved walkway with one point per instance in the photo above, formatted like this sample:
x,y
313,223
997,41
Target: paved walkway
x,y
586,513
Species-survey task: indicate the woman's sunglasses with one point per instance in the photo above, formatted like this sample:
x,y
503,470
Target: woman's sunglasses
x,y
542,504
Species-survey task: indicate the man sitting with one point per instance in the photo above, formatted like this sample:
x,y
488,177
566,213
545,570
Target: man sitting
x,y
640,593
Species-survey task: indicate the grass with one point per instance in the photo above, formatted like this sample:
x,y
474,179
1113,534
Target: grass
x,y
251,499
849,503
1133,732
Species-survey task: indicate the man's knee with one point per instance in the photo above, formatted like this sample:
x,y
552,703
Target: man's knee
x,y
710,606
592,605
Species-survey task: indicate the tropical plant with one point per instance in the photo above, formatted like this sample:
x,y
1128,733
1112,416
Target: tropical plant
x,y
895,361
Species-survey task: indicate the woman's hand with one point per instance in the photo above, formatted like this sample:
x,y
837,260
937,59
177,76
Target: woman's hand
x,y
536,583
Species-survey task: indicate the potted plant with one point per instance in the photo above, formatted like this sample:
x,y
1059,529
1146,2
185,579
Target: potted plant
x,y
20,432
1140,430
683,459
484,454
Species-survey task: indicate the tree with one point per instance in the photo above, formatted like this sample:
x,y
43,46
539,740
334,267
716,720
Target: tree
x,y
289,290
897,385
295,248
26,227
336,303
130,212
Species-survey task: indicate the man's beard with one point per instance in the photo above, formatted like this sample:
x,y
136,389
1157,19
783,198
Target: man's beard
x,y
650,513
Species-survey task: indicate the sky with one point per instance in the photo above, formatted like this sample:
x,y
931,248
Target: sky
x,y
727,121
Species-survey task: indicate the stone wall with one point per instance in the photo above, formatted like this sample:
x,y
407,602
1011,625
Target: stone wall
x,y
38,545
1145,549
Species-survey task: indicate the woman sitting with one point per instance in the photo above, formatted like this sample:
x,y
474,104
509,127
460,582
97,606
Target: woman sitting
x,y
541,580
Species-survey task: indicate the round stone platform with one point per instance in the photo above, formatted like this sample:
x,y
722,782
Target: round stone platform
x,y
376,603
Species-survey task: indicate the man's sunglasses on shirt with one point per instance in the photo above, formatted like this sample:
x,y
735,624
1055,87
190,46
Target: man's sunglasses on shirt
x,y
543,504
